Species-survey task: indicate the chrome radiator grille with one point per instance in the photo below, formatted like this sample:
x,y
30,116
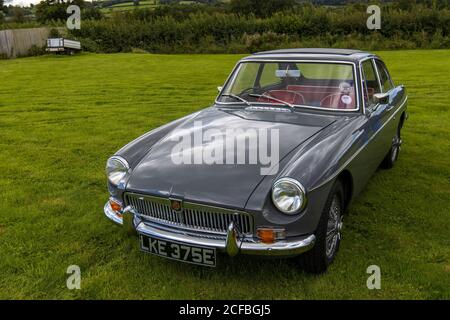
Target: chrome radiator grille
x,y
192,216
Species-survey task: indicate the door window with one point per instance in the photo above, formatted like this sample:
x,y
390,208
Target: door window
x,y
370,83
385,79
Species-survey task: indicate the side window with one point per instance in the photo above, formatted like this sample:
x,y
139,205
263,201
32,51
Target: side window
x,y
268,75
370,82
385,79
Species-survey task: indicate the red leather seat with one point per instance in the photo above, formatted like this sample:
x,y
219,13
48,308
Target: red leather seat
x,y
313,94
288,96
305,88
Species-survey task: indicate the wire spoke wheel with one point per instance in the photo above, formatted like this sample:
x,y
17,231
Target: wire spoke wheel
x,y
395,148
334,227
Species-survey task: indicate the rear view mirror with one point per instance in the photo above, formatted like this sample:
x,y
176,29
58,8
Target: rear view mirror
x,y
219,89
287,73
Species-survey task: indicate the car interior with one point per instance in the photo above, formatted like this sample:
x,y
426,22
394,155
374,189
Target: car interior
x,y
318,93
297,89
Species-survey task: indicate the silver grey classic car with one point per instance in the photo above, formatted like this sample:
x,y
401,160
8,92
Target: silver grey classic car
x,y
207,183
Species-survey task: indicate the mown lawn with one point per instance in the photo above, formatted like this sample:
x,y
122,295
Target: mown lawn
x,y
61,117
126,6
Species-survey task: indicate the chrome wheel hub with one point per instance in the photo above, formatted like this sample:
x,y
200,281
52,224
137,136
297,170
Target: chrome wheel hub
x,y
396,143
334,227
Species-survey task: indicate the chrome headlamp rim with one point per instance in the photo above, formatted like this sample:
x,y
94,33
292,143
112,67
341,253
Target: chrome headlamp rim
x,y
123,162
299,186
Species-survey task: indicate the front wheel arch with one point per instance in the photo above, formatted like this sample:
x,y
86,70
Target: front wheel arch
x,y
402,121
317,259
346,178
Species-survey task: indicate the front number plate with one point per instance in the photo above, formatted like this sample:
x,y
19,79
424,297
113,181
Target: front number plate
x,y
178,251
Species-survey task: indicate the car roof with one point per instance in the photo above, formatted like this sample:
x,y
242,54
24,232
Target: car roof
x,y
312,54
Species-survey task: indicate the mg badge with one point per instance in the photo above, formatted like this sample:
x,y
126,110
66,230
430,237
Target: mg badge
x,y
175,205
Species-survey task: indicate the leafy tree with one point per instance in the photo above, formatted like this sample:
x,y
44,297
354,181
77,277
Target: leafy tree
x,y
2,11
49,10
91,13
166,2
18,14
406,4
261,8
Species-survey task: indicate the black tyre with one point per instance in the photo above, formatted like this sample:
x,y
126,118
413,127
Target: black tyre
x,y
392,156
328,233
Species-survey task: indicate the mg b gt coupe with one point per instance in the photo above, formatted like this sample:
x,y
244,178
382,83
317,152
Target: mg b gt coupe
x,y
310,127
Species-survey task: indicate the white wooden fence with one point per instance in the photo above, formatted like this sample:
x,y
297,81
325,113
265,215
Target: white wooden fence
x,y
17,42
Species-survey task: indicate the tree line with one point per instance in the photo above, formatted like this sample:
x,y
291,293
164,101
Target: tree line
x,y
213,29
241,26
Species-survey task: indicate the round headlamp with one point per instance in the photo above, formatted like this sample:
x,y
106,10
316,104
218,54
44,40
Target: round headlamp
x,y
116,169
288,195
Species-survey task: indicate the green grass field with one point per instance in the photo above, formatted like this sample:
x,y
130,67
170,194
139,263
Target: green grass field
x,y
125,6
61,117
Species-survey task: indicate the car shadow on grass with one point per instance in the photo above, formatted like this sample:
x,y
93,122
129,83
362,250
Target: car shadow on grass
x,y
241,266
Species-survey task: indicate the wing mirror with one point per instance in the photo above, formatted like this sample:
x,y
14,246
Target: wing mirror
x,y
381,98
219,89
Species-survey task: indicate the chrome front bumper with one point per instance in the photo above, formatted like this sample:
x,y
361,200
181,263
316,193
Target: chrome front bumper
x,y
232,244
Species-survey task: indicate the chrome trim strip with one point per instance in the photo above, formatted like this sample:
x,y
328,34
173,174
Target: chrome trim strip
x,y
234,74
361,82
374,65
264,108
360,149
288,247
291,246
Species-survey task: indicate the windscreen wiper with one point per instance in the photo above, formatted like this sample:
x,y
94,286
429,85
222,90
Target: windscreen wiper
x,y
236,97
290,105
